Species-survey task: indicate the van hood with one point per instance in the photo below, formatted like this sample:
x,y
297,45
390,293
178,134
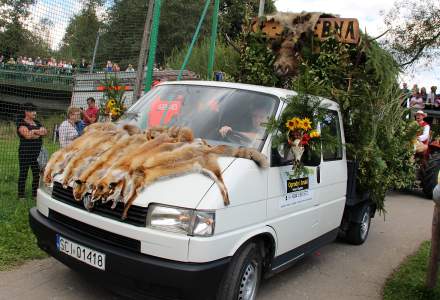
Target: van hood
x,y
182,191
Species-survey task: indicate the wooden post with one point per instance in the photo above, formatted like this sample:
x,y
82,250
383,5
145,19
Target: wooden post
x,y
143,53
431,278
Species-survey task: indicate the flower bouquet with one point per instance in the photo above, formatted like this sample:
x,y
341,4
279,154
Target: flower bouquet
x,y
114,105
299,134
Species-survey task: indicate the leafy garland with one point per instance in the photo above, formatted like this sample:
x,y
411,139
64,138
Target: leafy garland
x,y
114,99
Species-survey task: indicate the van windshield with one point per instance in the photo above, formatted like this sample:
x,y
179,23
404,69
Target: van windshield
x,y
217,114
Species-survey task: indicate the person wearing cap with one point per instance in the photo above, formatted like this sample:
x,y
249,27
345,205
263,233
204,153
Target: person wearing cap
x,y
30,132
423,137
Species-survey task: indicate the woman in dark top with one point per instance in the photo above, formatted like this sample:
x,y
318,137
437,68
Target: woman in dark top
x,y
30,133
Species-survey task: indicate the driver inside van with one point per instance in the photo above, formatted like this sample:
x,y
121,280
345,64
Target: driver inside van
x,y
254,130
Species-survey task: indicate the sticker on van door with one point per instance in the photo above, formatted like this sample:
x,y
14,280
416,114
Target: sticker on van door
x,y
297,191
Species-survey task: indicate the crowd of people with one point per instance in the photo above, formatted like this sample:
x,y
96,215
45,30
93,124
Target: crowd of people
x,y
419,98
31,132
60,66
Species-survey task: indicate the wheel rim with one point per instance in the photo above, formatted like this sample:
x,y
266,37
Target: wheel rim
x,y
365,224
248,284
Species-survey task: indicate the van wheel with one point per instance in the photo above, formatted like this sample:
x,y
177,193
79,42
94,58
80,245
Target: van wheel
x,y
242,279
357,233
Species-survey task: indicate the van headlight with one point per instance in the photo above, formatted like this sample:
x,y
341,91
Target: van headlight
x,y
45,188
181,220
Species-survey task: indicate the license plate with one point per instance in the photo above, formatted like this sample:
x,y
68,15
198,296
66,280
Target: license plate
x,y
89,256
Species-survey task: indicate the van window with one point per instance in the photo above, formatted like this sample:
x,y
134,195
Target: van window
x,y
331,126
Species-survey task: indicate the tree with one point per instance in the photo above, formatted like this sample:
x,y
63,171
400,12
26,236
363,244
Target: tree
x,y
79,40
12,10
124,27
414,30
13,35
232,14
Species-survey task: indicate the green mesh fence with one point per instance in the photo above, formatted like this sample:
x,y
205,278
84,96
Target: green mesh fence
x,y
56,54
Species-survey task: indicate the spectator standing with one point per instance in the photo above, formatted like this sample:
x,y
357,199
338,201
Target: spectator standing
x,y
11,61
68,130
116,68
109,66
423,94
83,64
432,95
416,100
90,116
30,132
415,88
406,94
130,68
52,62
38,62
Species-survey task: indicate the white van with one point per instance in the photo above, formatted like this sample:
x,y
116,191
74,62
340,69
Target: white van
x,y
179,239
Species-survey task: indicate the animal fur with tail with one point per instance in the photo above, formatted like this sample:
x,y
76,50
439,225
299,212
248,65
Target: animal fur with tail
x,y
116,164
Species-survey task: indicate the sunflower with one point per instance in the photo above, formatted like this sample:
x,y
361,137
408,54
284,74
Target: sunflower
x,y
296,122
111,102
290,125
306,124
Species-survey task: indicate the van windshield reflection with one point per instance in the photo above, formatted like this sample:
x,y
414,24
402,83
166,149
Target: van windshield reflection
x,y
217,114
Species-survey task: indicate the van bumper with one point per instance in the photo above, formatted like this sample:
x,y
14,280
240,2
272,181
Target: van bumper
x,y
131,273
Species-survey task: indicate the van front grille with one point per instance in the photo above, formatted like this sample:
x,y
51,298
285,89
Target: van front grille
x,y
95,233
137,215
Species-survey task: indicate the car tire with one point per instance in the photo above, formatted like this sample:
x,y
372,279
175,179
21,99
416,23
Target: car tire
x,y
242,279
430,173
357,233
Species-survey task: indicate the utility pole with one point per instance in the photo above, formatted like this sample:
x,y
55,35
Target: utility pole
x,y
95,50
143,53
261,8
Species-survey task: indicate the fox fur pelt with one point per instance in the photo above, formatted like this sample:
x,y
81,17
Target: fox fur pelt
x,y
116,164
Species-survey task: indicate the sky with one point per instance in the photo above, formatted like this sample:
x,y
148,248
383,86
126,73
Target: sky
x,y
369,15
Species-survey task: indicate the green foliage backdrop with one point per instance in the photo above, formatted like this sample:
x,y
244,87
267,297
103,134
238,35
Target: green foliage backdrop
x,y
362,79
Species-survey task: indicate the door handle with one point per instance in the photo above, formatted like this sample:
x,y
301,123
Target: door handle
x,y
318,174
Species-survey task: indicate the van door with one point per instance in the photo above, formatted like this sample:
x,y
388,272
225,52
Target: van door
x,y
333,176
292,205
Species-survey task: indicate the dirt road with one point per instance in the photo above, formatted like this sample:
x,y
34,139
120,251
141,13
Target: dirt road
x,y
338,271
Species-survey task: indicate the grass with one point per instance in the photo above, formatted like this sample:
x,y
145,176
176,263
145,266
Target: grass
x,y
17,242
408,281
